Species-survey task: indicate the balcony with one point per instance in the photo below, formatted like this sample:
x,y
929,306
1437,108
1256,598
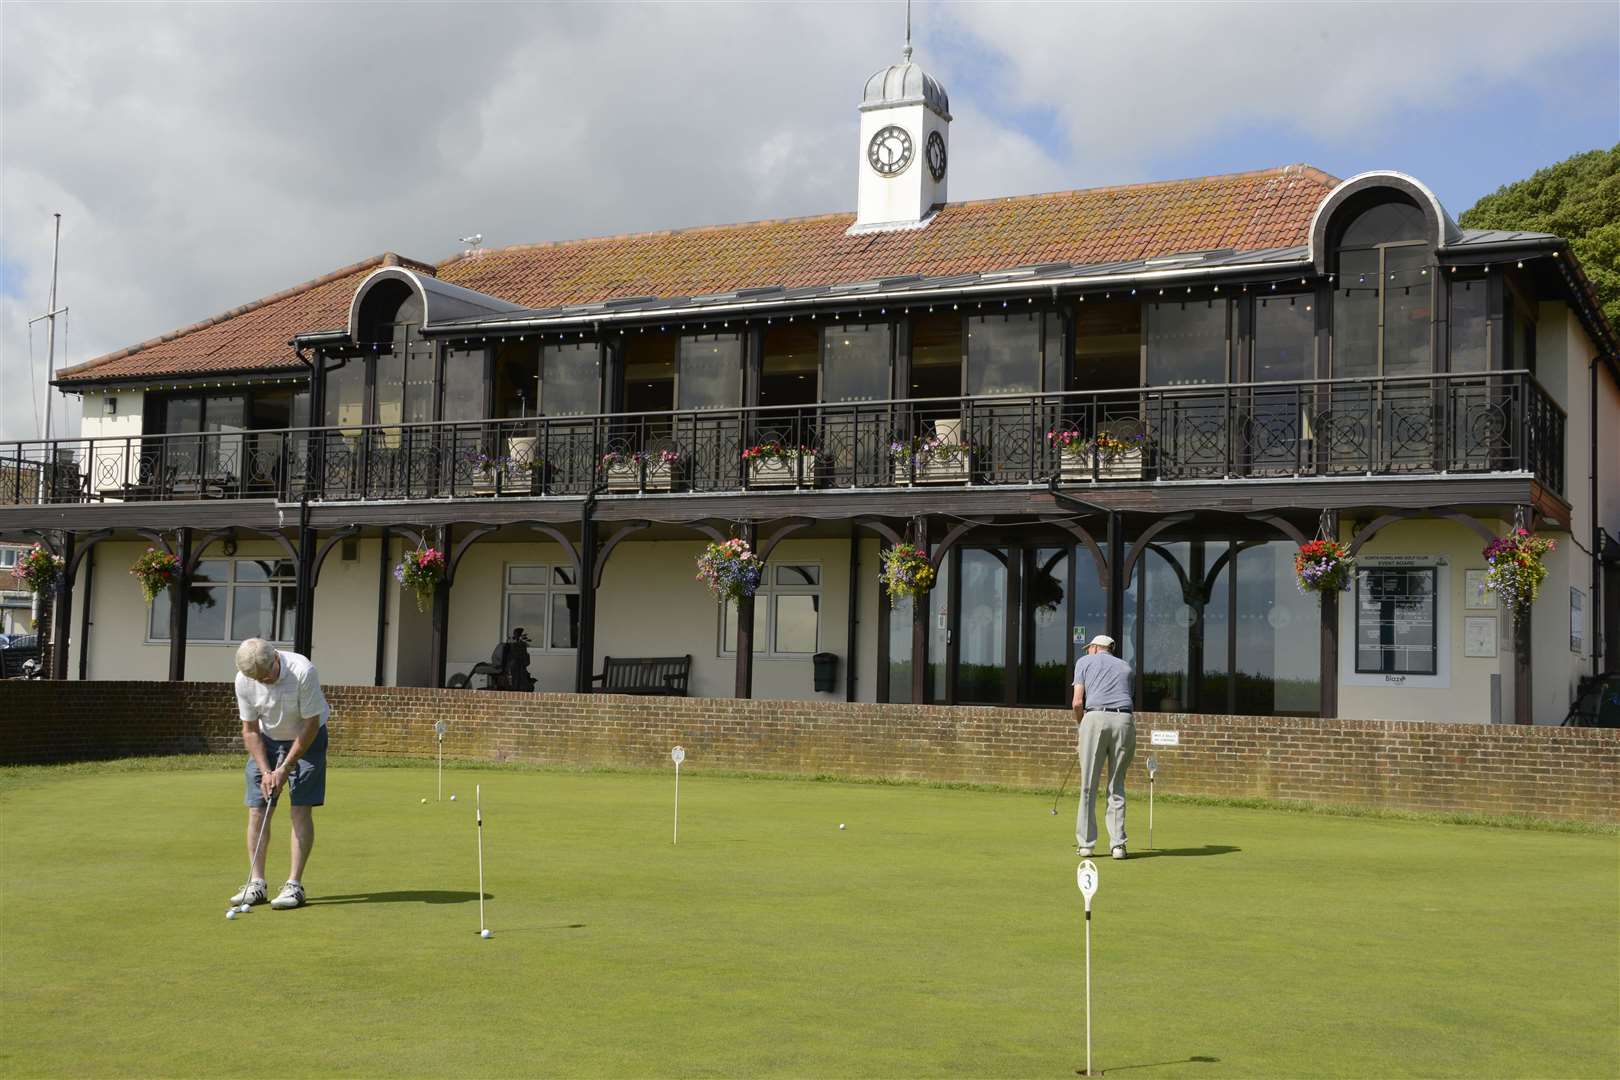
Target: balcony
x,y
1425,425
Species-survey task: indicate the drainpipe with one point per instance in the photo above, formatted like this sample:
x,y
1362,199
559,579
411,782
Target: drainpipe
x,y
1596,598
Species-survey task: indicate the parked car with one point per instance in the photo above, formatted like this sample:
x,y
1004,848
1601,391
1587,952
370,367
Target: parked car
x,y
18,650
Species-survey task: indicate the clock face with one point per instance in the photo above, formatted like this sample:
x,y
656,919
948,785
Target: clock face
x,y
936,155
890,151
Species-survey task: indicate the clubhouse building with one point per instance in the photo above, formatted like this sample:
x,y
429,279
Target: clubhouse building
x,y
1117,410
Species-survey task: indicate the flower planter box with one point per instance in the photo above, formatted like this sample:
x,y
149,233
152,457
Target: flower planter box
x,y
626,477
1075,467
781,472
1122,466
931,471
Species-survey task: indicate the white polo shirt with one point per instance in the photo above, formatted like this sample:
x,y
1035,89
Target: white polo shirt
x,y
281,709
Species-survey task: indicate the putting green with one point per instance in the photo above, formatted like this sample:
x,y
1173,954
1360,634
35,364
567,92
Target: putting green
x,y
939,934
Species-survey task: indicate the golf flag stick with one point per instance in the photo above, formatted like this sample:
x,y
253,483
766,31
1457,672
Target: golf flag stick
x,y
478,814
1153,770
438,729
1086,878
677,755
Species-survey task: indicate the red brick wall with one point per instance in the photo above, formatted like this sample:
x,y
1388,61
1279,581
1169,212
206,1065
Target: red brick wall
x,y
1550,772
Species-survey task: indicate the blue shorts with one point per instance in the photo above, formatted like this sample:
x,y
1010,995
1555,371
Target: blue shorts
x,y
308,778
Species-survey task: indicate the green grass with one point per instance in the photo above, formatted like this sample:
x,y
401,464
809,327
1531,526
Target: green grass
x,y
940,934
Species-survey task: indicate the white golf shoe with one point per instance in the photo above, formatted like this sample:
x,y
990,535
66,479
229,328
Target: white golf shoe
x,y
1119,852
1083,852
290,896
252,893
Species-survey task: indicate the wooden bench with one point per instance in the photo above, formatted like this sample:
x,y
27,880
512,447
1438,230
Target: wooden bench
x,y
661,675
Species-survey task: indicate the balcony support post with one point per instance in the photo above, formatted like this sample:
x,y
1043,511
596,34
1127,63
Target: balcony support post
x,y
745,632
439,639
62,619
1328,676
919,623
585,575
1116,579
179,608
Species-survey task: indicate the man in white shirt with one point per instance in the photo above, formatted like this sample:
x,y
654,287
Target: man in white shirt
x,y
278,696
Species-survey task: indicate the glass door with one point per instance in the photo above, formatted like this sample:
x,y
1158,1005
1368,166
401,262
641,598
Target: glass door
x,y
981,631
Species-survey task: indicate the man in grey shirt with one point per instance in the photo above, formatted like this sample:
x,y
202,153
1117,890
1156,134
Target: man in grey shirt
x,y
1102,708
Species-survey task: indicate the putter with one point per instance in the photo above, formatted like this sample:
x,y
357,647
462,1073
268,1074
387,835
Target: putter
x,y
1066,774
258,845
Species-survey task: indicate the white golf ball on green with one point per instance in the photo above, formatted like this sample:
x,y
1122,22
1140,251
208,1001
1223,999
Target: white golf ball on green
x,y
485,934
840,824
452,798
231,914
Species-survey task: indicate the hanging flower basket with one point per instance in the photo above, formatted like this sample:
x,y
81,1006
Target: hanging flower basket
x,y
730,569
1323,566
38,569
421,571
155,570
906,572
1514,569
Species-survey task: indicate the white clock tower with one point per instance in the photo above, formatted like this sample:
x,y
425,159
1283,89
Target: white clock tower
x,y
905,138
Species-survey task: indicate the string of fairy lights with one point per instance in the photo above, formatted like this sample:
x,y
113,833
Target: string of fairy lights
x,y
1293,285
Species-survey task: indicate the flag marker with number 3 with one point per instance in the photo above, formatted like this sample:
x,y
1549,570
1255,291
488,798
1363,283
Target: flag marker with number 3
x,y
1086,878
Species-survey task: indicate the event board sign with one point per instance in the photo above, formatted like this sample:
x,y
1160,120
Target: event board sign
x,y
678,755
1166,738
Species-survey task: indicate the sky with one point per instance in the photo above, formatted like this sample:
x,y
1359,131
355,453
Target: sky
x,y
204,155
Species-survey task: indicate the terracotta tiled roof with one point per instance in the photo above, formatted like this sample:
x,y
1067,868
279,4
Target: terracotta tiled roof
x,y
249,338
1244,211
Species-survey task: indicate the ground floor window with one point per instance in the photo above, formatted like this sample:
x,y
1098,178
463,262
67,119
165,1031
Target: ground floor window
x,y
1397,624
231,600
542,601
787,613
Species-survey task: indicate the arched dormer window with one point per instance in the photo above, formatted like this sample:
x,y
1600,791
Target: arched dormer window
x,y
391,381
1383,300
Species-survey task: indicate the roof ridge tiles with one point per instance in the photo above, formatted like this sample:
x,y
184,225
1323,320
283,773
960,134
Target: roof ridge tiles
x,y
1298,169
387,258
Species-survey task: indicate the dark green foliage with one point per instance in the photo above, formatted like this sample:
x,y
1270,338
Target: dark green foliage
x,y
1578,199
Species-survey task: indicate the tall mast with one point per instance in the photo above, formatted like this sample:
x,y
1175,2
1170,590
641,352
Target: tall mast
x,y
50,330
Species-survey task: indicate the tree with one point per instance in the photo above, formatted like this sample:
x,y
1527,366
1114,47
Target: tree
x,y
1578,199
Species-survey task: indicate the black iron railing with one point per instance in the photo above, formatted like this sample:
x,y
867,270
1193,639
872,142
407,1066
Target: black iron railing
x,y
1442,424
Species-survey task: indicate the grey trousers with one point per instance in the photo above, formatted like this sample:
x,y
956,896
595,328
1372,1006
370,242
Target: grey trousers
x,y
1111,737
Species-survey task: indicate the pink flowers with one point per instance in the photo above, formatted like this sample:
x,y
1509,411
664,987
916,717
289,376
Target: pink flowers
x,y
421,571
1514,569
730,569
1323,566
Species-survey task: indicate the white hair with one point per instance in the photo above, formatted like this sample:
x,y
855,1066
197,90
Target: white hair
x,y
256,658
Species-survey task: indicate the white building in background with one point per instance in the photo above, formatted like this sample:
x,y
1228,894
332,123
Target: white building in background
x,y
1274,355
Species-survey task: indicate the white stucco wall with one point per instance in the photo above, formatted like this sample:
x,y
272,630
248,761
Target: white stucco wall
x,y
651,604
112,462
345,620
1462,694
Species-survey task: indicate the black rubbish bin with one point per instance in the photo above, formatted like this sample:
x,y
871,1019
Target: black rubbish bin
x,y
826,671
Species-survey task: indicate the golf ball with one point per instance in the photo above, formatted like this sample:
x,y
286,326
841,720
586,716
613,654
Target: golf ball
x,y
245,908
231,914
840,824
424,800
452,798
485,934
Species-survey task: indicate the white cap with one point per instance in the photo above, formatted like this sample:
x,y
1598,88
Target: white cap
x,y
1101,639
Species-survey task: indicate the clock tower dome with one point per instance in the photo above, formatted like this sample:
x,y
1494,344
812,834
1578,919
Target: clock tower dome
x,y
905,136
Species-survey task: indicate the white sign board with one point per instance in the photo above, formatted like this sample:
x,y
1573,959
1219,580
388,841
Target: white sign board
x,y
1086,877
678,755
1152,766
1166,738
438,728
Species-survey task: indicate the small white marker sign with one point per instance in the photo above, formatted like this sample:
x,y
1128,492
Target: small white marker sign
x,y
1166,738
1086,878
678,754
1152,766
438,728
